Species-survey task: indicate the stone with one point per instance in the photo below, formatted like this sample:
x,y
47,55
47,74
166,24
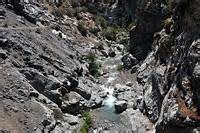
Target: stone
x,y
46,122
129,84
84,92
120,106
134,69
55,96
34,94
71,119
104,53
111,52
73,82
5,131
72,104
96,101
3,42
3,54
129,61
52,83
2,12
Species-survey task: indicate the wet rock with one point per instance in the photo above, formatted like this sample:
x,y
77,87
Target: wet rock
x,y
120,106
129,61
96,101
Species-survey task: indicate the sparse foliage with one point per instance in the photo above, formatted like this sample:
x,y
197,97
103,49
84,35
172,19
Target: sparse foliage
x,y
81,27
94,66
87,122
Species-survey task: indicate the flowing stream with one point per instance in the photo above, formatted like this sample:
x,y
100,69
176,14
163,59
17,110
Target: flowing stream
x,y
105,116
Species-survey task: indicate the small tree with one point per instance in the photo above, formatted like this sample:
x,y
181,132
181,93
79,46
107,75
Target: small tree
x,y
94,66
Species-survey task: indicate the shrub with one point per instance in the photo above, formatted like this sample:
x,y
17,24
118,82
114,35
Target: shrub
x,y
94,30
56,12
101,21
81,27
120,67
70,12
110,33
87,122
94,66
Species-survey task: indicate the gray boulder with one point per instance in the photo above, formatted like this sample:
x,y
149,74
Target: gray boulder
x,y
2,12
120,106
71,119
129,61
72,103
96,101
111,52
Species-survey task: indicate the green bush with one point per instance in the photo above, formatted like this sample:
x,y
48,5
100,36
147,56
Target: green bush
x,y
101,21
56,12
87,123
94,66
110,33
82,28
120,67
94,31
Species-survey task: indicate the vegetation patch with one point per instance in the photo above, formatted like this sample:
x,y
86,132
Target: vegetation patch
x,y
100,20
94,66
81,27
87,123
120,67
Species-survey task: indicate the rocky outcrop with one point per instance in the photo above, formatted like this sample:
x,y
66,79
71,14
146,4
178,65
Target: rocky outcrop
x,y
170,72
120,106
149,16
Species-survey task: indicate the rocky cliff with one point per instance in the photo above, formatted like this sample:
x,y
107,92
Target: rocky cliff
x,y
166,41
59,59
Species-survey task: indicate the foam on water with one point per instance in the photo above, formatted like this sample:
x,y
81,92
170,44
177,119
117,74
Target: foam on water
x,y
109,101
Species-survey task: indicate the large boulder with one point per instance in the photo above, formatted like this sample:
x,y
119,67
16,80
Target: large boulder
x,y
129,61
150,15
72,103
120,106
2,12
71,119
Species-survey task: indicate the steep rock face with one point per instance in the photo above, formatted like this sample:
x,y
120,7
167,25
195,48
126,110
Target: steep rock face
x,y
170,73
149,15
